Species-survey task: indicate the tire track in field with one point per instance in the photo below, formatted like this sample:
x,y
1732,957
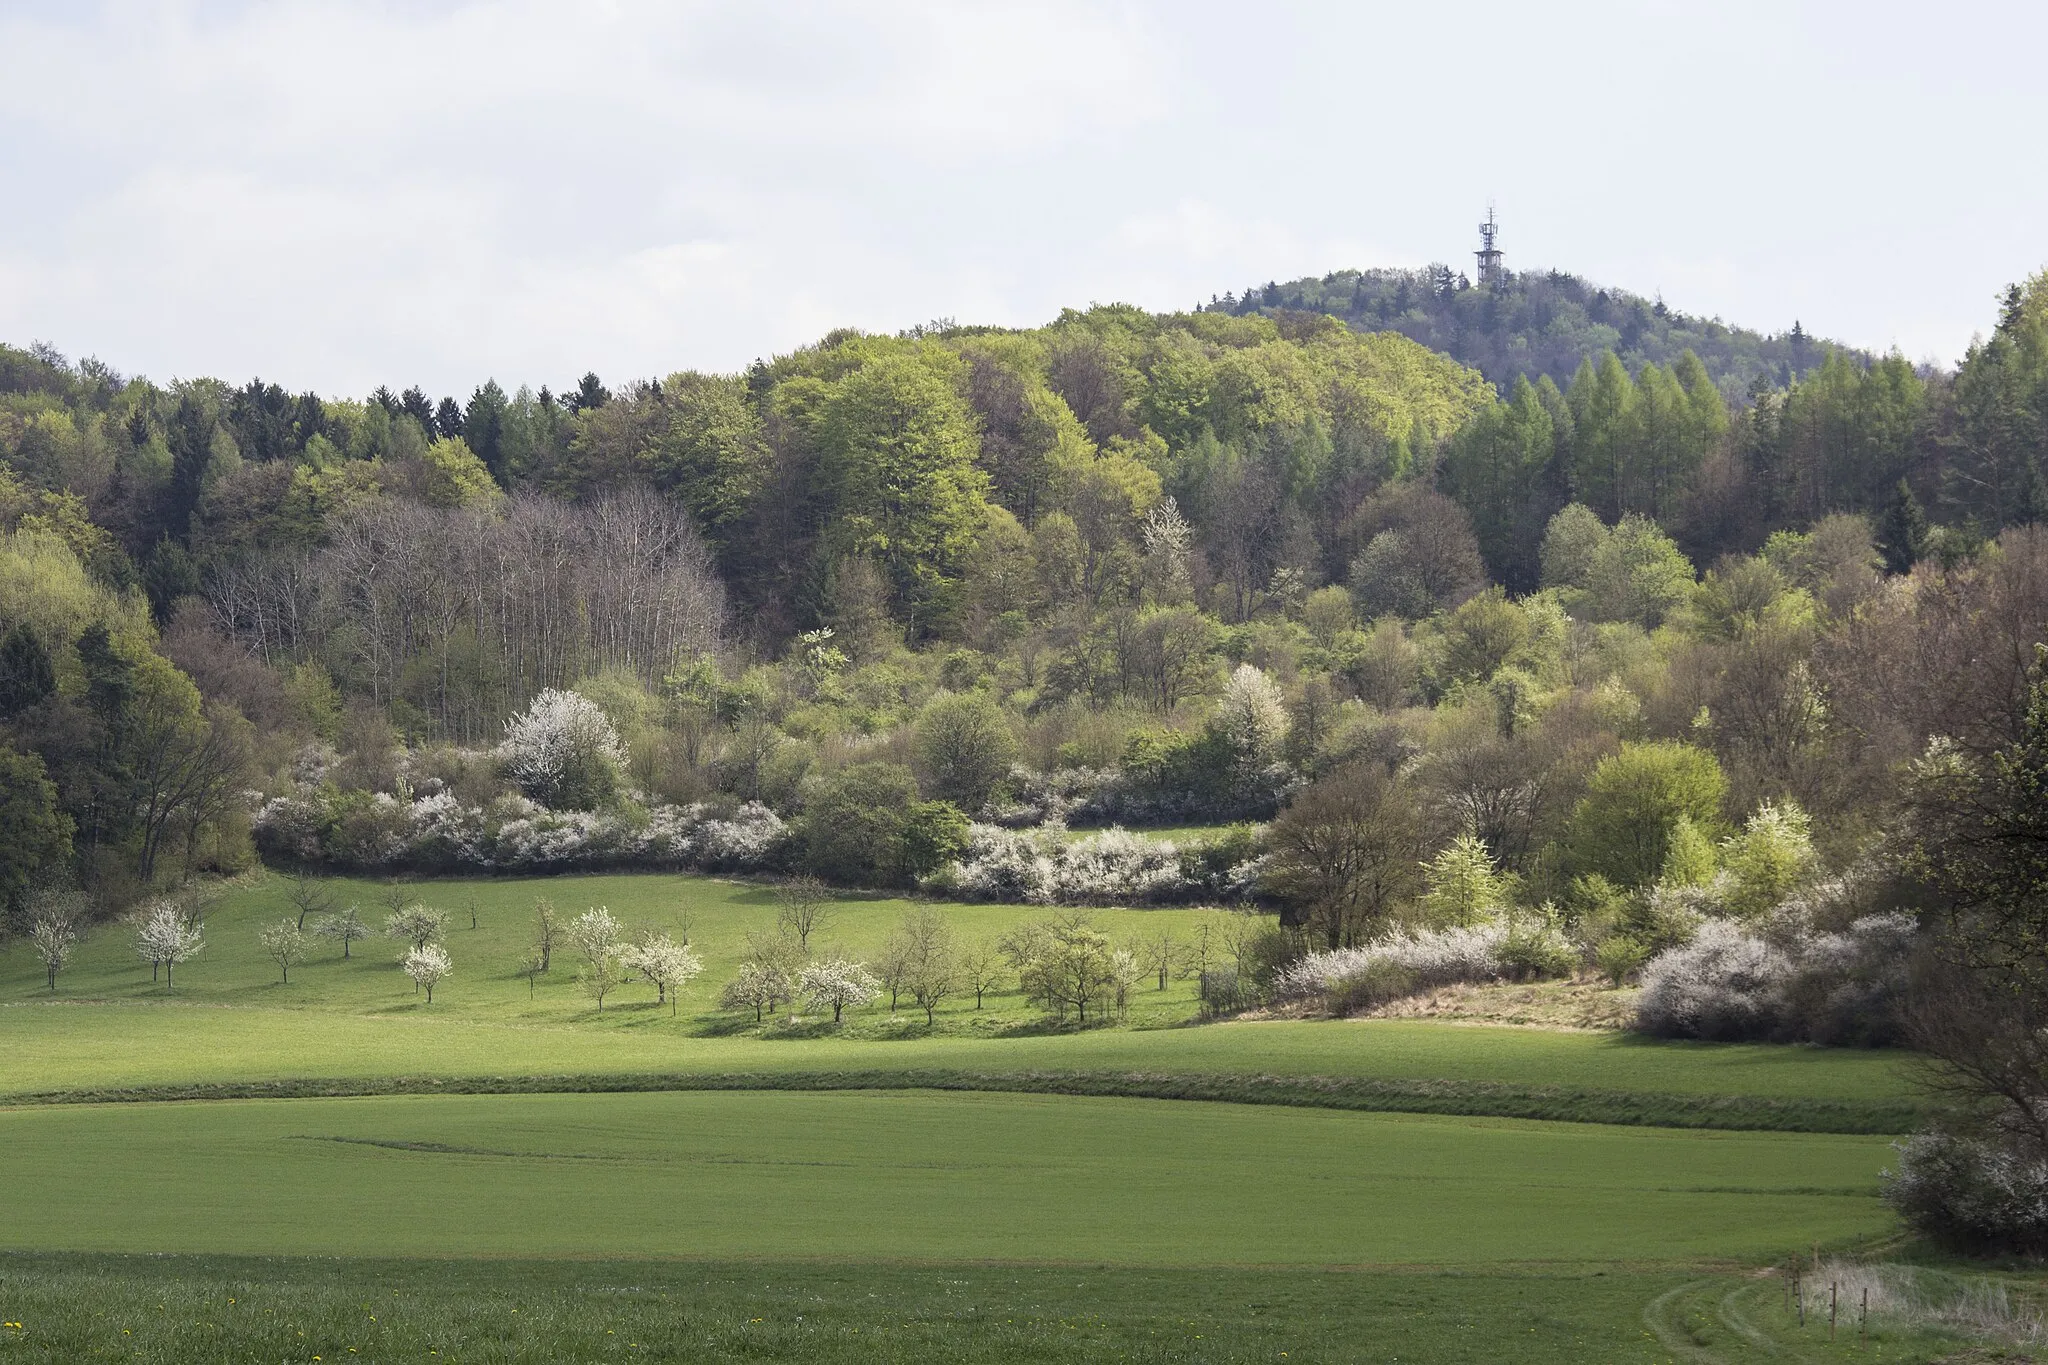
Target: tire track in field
x,y
1659,1318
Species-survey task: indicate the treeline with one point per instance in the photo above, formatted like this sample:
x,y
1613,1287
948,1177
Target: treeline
x,y
1124,567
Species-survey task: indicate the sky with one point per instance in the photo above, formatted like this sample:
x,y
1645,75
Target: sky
x,y
337,196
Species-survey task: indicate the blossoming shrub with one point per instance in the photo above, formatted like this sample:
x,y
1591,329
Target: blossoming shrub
x,y
1785,982
1401,964
1970,1194
439,833
1046,866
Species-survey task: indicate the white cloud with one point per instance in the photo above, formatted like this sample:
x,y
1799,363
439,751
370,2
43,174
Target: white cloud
x,y
341,195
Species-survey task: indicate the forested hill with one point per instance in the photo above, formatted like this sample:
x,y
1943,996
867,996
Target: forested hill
x,y
1535,324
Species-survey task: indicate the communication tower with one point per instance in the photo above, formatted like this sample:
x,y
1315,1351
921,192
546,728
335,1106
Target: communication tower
x,y
1488,253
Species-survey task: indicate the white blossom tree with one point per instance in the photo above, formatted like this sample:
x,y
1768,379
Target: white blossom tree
x,y
345,924
428,965
754,987
416,924
664,962
285,944
54,934
838,983
1252,716
169,938
563,752
595,934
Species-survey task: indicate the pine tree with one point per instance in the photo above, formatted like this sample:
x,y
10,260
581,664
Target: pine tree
x,y
1902,532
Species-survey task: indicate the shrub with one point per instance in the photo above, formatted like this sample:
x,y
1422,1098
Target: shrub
x,y
1409,962
1620,956
1971,1194
1793,984
563,752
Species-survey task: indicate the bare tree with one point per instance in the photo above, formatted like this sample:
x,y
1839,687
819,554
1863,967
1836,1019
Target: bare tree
x,y
930,957
1346,855
309,895
802,908
1161,953
982,970
547,930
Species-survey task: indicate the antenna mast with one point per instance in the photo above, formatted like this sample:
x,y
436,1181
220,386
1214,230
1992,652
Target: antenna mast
x,y
1489,255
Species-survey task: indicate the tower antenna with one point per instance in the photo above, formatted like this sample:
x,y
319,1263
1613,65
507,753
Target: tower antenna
x,y
1489,255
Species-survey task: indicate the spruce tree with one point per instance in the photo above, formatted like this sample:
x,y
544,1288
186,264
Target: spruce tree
x,y
1902,531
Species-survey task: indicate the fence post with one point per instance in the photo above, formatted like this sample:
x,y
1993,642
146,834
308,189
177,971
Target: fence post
x,y
1863,1321
1834,1288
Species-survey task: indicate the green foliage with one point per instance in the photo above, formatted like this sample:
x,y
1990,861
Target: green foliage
x,y
34,833
1622,827
1461,886
965,747
1689,855
1771,856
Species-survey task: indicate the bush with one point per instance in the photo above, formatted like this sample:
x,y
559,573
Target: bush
x,y
1404,964
563,752
1791,985
1971,1195
1113,867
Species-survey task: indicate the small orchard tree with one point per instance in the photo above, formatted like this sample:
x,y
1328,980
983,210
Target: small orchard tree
x,y
416,924
428,966
802,909
285,944
600,977
930,955
54,934
982,969
753,987
547,930
309,895
838,983
1124,972
595,934
1161,953
662,961
169,938
345,925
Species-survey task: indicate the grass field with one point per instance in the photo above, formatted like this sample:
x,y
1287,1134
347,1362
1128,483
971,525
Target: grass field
x,y
171,1310
714,916
887,1175
726,1196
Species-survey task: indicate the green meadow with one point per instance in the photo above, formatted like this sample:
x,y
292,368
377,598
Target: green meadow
x,y
985,1188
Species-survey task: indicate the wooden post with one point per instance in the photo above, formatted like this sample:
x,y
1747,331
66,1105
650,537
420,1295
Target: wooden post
x,y
1833,1289
1863,1321
1799,1293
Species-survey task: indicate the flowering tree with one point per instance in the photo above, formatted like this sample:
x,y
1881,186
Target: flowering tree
x,y
345,924
416,924
595,934
563,752
428,966
54,934
661,960
285,944
167,937
754,987
838,983
1252,716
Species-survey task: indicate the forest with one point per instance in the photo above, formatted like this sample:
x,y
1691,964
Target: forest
x,y
1682,668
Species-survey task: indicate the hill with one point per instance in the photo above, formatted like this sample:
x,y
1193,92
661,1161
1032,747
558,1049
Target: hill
x,y
1538,323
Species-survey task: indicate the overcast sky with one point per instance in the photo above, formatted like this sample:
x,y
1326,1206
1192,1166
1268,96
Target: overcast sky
x,y
337,196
